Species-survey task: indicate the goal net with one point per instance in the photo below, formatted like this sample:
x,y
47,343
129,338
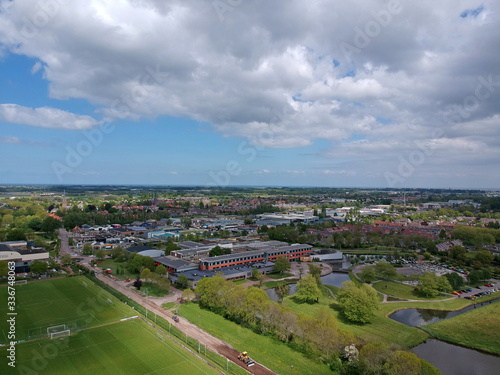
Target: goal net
x,y
55,335
55,329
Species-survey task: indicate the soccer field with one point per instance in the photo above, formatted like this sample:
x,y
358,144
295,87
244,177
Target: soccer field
x,y
130,347
62,301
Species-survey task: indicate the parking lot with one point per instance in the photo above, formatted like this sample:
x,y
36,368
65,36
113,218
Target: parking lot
x,y
476,292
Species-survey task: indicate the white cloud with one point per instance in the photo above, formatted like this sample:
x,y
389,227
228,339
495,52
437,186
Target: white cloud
x,y
45,117
275,72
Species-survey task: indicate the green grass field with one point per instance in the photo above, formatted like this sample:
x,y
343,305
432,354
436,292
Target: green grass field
x,y
129,347
270,352
52,302
105,345
402,291
110,263
476,329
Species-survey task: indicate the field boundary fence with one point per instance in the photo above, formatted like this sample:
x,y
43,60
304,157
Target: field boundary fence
x,y
168,329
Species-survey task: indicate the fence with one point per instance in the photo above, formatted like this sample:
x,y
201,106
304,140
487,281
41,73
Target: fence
x,y
167,328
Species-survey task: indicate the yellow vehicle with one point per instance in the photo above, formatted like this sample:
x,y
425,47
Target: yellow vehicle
x,y
243,356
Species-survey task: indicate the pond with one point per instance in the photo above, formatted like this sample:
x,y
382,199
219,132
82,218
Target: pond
x,y
420,317
455,360
335,279
274,297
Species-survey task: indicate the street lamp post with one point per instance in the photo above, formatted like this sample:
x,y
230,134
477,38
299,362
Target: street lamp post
x,y
291,369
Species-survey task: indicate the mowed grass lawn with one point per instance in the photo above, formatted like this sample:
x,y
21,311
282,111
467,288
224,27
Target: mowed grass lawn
x,y
479,329
402,291
52,302
264,349
131,347
110,263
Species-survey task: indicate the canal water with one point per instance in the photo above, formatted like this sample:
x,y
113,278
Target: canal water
x,y
455,360
335,279
420,317
448,358
274,297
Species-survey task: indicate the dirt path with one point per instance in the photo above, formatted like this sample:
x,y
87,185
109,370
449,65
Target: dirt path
x,y
185,326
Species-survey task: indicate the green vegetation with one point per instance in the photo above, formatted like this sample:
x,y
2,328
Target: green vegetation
x,y
358,303
398,290
307,290
168,305
59,301
154,290
281,265
107,350
261,348
477,329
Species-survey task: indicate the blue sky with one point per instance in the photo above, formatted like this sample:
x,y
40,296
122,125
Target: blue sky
x,y
375,95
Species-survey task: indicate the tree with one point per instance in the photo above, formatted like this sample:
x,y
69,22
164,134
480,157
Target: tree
x,y
248,221
428,285
35,224
188,295
182,280
385,269
282,290
161,270
443,284
474,276
138,283
16,234
486,274
368,274
119,254
281,264
455,280
373,356
4,268
484,257
145,274
442,234
87,249
100,254
456,250
358,304
307,290
403,363
38,267
66,259
314,270
217,250
50,224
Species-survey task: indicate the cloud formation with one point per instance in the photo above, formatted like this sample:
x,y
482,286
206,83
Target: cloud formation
x,y
45,117
281,74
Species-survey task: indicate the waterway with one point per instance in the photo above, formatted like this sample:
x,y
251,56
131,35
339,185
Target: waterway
x,y
448,358
274,297
420,317
456,360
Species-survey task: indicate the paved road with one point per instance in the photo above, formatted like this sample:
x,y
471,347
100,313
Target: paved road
x,y
63,236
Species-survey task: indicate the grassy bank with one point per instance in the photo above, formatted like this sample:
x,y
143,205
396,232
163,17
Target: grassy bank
x,y
380,329
477,329
264,349
399,290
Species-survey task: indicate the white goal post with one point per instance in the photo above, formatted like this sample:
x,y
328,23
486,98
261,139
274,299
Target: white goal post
x,y
19,282
55,329
55,335
84,284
